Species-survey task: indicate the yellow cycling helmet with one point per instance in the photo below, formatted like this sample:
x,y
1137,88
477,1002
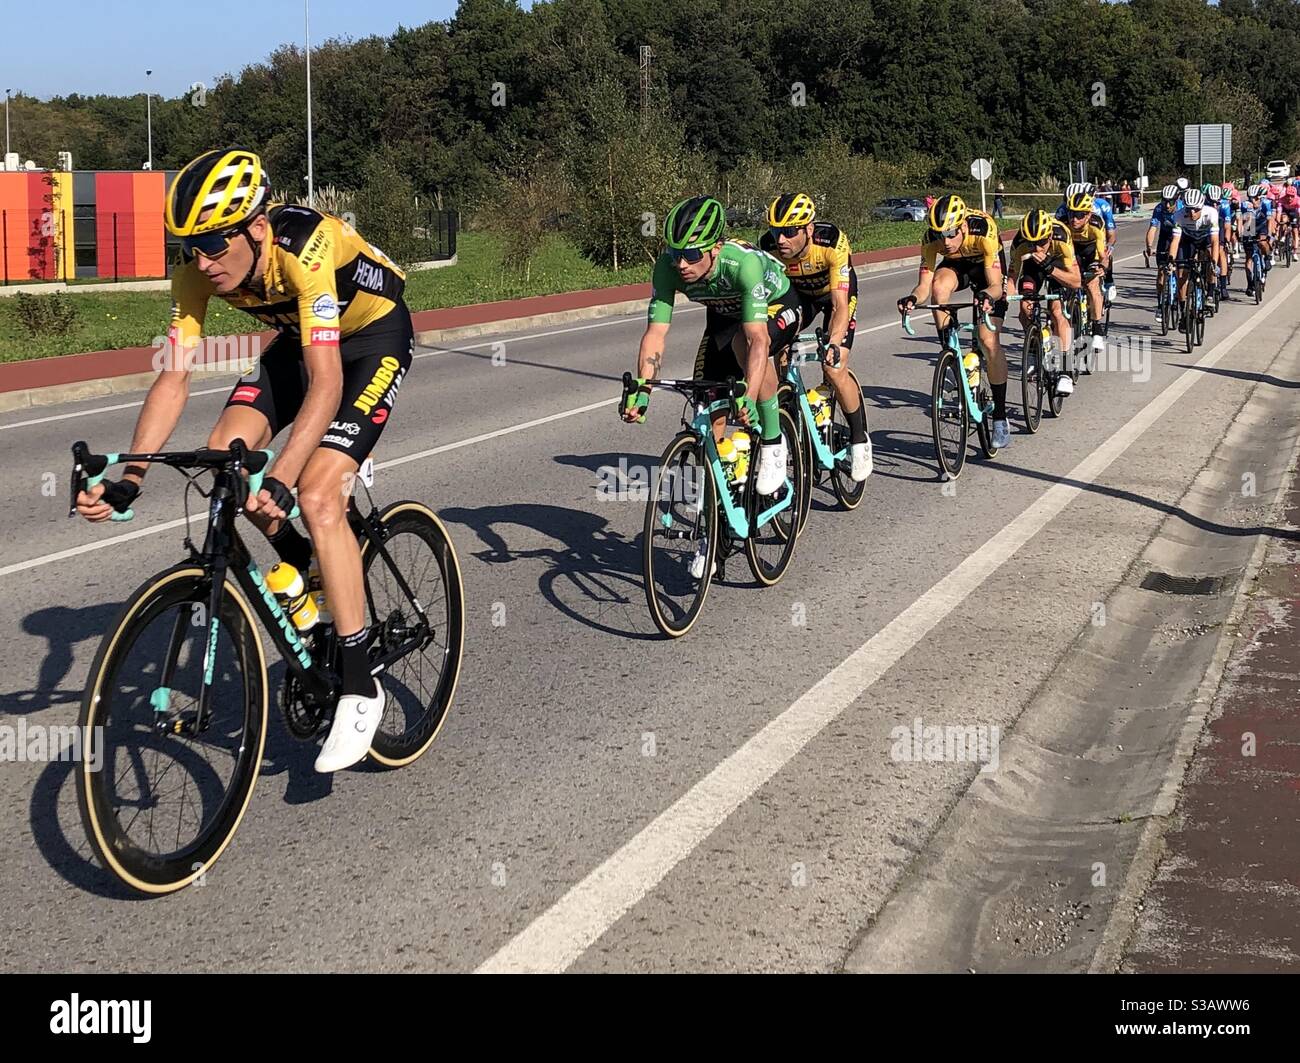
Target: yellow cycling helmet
x,y
1079,201
1036,226
947,213
231,183
790,208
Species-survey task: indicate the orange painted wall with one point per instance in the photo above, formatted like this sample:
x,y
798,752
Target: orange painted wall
x,y
35,218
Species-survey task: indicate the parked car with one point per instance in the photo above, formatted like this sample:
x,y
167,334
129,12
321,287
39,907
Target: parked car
x,y
1278,170
885,209
909,210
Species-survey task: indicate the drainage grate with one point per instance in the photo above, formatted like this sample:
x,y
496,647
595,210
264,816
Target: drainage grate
x,y
1170,584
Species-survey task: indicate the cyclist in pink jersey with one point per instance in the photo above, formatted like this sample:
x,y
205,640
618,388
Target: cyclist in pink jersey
x,y
1288,203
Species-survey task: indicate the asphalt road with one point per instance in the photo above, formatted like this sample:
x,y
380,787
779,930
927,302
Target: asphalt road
x,y
601,799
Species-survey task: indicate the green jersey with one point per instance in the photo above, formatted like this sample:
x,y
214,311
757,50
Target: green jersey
x,y
743,282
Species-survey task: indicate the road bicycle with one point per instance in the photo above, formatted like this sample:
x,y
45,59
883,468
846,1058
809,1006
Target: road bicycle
x,y
1038,373
1166,298
701,511
956,406
824,433
1191,310
1257,271
176,700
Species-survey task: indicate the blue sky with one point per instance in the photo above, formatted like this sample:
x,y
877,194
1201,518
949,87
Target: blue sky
x,y
107,45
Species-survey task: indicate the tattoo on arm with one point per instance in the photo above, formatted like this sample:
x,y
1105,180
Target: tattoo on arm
x,y
653,363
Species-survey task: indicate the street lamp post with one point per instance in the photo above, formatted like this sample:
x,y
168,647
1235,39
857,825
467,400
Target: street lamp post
x,y
148,110
7,91
306,16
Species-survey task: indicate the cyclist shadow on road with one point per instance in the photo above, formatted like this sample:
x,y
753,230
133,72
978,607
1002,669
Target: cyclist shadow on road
x,y
904,455
593,573
63,629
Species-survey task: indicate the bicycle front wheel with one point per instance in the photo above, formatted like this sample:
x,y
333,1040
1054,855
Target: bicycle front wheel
x,y
420,685
162,787
1031,381
680,538
949,418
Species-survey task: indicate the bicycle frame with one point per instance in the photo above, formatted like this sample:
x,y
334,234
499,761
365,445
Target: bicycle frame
x,y
825,458
702,425
951,339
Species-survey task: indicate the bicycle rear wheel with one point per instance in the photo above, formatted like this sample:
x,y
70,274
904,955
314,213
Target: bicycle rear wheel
x,y
679,543
1031,380
421,684
160,792
839,436
769,546
949,418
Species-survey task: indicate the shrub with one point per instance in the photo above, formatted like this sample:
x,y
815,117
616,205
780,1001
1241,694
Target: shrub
x,y
46,315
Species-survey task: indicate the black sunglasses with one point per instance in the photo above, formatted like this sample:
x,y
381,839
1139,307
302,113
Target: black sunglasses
x,y
210,245
788,231
687,254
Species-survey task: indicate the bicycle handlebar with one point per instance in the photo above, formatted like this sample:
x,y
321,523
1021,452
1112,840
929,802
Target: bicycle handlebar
x,y
89,469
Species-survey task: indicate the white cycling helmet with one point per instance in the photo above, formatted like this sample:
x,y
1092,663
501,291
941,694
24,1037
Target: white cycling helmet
x,y
1182,183
1255,191
1169,192
1193,199
1074,188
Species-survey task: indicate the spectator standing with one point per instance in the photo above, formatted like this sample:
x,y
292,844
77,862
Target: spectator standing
x,y
997,200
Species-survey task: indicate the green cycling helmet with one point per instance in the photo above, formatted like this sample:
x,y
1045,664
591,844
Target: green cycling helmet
x,y
1212,191
698,222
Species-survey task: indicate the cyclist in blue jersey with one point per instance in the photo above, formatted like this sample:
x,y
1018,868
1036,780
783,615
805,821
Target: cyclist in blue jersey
x,y
1161,231
1214,198
1255,223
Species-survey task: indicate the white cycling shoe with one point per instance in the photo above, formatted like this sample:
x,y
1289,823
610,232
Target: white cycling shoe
x,y
861,464
1001,434
771,468
1064,384
355,722
697,562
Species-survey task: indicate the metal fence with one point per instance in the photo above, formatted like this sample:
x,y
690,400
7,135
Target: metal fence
x,y
35,245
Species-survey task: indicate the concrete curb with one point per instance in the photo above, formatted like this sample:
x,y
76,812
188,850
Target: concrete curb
x,y
67,384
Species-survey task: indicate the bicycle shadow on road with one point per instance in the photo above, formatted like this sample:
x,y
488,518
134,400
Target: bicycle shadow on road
x,y
594,576
63,629
1238,374
894,452
1201,523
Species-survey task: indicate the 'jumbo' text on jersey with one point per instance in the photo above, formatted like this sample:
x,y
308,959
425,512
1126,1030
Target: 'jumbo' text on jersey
x,y
322,281
824,265
740,285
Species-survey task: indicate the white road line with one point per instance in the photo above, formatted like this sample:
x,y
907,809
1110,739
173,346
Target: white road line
x,y
426,352
100,409
154,529
555,940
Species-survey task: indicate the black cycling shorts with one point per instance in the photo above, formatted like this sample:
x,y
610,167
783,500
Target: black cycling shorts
x,y
823,307
971,274
715,360
1187,248
375,361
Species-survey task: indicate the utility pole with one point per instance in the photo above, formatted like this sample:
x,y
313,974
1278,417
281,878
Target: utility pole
x,y
311,187
7,91
148,111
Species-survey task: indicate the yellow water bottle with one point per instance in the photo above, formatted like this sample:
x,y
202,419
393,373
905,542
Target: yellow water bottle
x,y
740,440
285,582
727,455
821,410
972,365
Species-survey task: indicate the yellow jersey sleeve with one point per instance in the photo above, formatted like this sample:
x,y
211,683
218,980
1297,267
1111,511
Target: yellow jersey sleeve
x,y
190,293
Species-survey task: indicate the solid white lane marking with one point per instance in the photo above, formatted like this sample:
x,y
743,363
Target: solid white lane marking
x,y
556,939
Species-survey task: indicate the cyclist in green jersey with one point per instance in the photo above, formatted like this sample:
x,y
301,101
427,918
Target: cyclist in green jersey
x,y
751,314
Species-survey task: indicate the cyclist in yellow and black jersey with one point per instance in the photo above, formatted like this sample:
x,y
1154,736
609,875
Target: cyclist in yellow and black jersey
x,y
1088,233
816,259
1043,262
344,345
962,249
